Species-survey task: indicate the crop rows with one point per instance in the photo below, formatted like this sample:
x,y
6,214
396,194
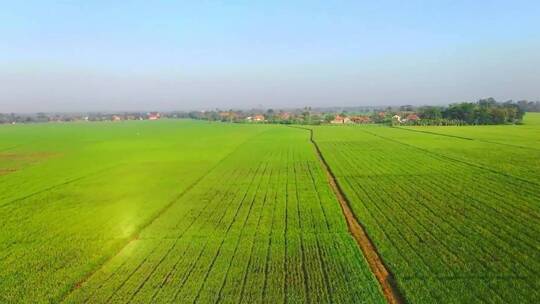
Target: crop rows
x,y
450,232
263,226
515,136
520,158
87,190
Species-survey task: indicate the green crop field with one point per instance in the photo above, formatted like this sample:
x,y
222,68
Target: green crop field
x,y
453,211
194,212
72,195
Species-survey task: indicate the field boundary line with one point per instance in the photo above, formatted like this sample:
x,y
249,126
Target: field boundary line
x,y
455,160
467,138
435,133
59,185
319,251
254,240
135,236
226,233
194,264
175,266
270,233
301,237
376,264
9,148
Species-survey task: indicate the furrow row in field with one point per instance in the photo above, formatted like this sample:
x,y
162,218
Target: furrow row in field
x,y
8,200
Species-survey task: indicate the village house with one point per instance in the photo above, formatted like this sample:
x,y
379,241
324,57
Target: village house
x,y
361,119
224,115
258,118
340,120
412,117
154,116
284,115
116,118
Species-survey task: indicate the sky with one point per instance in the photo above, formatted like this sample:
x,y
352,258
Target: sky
x,y
96,55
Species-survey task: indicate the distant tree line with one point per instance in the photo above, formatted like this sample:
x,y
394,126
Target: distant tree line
x,y
12,118
483,112
529,106
296,116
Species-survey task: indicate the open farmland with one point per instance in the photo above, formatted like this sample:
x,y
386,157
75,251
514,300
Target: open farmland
x,y
263,226
195,212
455,219
168,217
71,195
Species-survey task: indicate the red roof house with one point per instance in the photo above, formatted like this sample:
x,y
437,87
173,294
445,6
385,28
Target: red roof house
x,y
154,116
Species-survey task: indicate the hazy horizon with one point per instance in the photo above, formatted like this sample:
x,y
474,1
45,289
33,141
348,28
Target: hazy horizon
x,y
99,56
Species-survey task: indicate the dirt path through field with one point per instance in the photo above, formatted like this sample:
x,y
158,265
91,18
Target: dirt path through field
x,y
385,278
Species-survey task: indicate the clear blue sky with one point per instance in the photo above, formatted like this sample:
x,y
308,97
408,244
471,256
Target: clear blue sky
x,y
164,55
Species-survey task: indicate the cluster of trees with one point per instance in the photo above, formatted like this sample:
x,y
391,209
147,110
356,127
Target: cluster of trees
x,y
484,112
68,117
529,106
298,116
22,118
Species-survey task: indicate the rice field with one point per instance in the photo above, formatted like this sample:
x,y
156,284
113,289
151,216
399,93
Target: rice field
x,y
456,218
261,227
75,194
194,212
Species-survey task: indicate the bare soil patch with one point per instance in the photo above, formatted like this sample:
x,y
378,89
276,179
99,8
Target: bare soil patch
x,y
6,171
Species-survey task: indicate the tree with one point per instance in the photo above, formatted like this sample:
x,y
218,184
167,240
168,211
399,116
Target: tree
x,y
306,115
460,111
315,119
498,115
270,115
329,117
430,112
406,108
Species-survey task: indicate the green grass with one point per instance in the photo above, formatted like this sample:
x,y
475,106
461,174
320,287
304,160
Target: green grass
x,y
523,136
190,211
227,212
263,226
76,193
455,219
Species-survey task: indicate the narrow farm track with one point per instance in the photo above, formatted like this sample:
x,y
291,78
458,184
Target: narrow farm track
x,y
379,269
